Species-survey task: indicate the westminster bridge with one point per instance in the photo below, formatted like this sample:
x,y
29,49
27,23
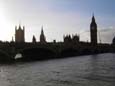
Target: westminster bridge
x,y
39,51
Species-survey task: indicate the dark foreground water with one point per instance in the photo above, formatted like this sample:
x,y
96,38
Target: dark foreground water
x,y
92,70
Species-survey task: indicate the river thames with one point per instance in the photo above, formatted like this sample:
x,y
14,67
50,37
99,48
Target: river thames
x,y
91,70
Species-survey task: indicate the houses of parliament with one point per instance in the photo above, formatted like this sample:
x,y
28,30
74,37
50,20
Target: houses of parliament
x,y
71,45
20,35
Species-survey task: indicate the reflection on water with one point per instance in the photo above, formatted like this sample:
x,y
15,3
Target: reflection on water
x,y
3,78
92,70
102,68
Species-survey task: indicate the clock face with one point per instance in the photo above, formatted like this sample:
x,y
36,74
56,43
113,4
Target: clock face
x,y
93,27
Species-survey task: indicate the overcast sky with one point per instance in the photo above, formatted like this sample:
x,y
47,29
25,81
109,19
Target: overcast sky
x,y
58,17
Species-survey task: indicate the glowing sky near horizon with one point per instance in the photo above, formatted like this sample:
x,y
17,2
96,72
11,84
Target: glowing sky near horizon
x,y
58,17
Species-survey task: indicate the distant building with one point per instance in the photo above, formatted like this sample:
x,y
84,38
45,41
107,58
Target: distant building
x,y
54,41
67,39
42,37
71,40
93,31
19,34
113,42
33,39
75,39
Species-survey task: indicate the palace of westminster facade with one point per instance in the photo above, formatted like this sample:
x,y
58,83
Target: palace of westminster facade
x,y
20,35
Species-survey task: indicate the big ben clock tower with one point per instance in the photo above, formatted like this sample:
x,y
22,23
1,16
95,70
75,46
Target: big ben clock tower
x,y
93,31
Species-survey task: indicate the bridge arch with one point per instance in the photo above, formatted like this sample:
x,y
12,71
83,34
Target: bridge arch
x,y
38,53
5,57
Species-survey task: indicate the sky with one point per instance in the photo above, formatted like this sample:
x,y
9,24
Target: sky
x,y
58,17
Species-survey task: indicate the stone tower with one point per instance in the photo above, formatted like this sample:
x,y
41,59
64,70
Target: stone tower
x,y
19,34
42,37
93,31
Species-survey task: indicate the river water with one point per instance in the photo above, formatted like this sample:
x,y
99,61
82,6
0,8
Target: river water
x,y
91,70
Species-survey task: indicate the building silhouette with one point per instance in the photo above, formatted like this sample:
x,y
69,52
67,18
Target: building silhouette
x,y
74,39
33,39
42,37
67,39
93,31
12,39
19,34
113,41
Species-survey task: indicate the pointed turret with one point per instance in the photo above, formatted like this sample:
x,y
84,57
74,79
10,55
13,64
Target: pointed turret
x,y
12,39
20,27
42,36
33,39
93,22
42,32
